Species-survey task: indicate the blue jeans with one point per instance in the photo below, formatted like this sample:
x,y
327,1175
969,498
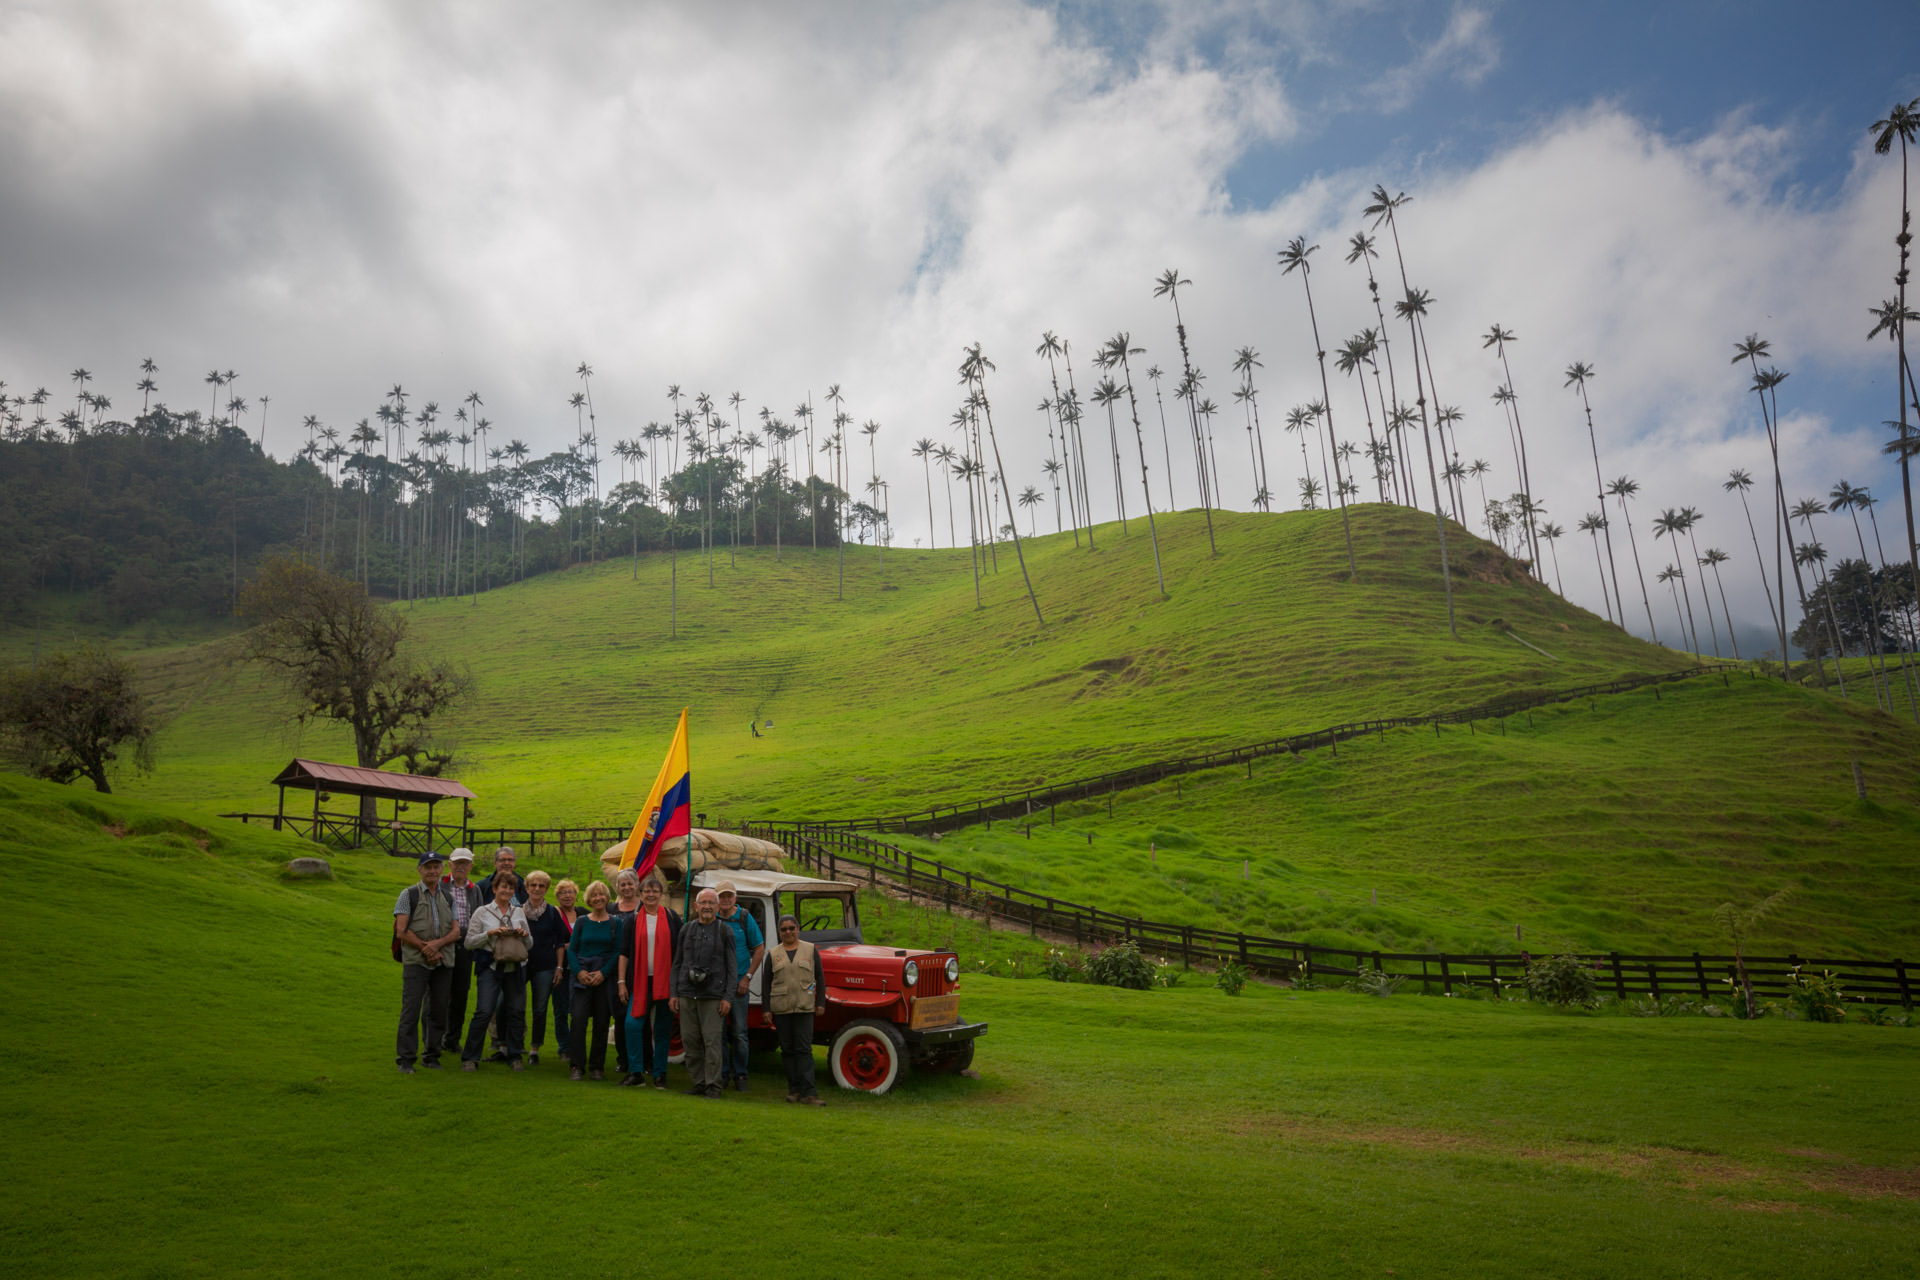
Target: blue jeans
x,y
734,1038
649,1039
505,993
541,994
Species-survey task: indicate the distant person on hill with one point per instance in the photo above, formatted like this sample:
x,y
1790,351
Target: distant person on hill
x,y
549,933
750,947
497,935
646,984
793,987
424,924
467,898
704,973
626,890
565,895
590,957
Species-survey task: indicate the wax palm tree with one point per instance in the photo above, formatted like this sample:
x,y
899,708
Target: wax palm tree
x,y
1902,125
1687,520
1577,375
1553,533
1478,470
1168,286
1296,257
1668,525
1352,360
1498,338
1670,575
1739,481
1166,448
1120,350
1905,618
1360,248
926,450
1245,361
1384,208
1298,423
1750,349
1624,488
1105,393
1309,491
974,369
1713,559
1593,524
1844,497
1029,498
1811,553
1051,348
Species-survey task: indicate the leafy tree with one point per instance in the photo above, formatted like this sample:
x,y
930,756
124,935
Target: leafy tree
x,y
70,717
341,657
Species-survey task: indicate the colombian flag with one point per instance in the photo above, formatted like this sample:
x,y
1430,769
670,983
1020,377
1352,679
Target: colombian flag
x,y
669,808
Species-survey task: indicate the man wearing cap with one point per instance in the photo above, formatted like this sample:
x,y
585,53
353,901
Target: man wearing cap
x,y
466,897
426,929
750,947
704,973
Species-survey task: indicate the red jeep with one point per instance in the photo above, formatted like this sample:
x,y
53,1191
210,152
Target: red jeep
x,y
887,1007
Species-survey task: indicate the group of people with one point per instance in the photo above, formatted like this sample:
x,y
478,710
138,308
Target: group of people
x,y
600,959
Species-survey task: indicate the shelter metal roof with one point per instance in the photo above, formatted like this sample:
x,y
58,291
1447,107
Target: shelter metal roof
x,y
351,780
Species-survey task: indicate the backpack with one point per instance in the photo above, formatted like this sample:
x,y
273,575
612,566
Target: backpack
x,y
413,905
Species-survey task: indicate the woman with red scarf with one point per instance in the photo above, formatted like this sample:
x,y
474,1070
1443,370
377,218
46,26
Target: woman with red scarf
x,y
646,974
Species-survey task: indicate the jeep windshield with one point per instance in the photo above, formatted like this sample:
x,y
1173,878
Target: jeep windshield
x,y
826,919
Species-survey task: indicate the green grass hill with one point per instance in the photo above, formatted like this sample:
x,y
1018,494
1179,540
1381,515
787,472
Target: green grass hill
x,y
1619,824
199,1083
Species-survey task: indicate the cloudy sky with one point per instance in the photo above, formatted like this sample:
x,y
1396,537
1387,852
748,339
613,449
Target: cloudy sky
x,y
333,197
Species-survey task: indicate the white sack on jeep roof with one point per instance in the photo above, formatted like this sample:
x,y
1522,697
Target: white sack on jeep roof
x,y
711,849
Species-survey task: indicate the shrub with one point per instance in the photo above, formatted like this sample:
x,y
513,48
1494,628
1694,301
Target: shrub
x,y
1816,998
1166,974
1373,982
1232,978
1066,965
1562,980
1121,965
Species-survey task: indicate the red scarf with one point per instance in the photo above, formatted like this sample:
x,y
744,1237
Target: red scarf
x,y
662,960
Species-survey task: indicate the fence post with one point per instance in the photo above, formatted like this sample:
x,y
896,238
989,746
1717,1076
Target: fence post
x,y
1653,979
1619,981
1243,950
1900,971
1446,975
1306,960
1700,974
1186,946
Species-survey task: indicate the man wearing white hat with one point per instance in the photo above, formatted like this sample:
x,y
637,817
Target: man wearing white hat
x,y
466,898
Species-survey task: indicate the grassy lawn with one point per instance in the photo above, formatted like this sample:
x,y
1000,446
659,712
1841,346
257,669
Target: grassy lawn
x,y
201,1085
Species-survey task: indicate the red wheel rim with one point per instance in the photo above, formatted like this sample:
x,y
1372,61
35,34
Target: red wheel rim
x,y
865,1061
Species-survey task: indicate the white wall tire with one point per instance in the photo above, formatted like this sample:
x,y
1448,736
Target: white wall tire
x,y
867,1056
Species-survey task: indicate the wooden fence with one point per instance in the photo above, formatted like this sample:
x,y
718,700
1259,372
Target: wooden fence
x,y
1030,801
839,854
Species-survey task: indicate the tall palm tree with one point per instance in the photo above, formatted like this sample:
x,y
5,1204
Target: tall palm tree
x,y
1050,348
1577,375
964,468
1168,286
1353,357
1498,338
1905,618
1670,575
1765,383
1295,257
925,450
1105,393
1166,449
1119,351
1667,524
1593,524
974,369
1713,559
1844,497
1384,208
1478,470
1812,553
1360,248
1029,498
1245,361
1623,488
1686,521
1902,125
1552,533
1739,481
1309,491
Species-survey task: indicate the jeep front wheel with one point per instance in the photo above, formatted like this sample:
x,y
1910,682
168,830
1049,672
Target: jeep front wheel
x,y
867,1056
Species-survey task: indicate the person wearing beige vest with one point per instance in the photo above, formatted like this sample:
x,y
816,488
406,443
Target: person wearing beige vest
x,y
793,988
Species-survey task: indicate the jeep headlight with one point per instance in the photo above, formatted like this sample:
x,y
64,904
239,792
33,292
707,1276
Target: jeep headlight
x,y
953,968
910,974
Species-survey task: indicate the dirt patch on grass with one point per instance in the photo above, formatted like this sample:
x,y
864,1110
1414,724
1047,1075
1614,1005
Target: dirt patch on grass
x,y
1693,1170
118,830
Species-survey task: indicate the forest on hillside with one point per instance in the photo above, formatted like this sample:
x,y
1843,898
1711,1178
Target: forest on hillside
x,y
166,515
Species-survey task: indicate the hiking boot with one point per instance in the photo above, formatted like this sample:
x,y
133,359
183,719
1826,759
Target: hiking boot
x,y
431,1064
596,1075
813,1100
659,1082
469,1066
576,1074
793,1097
519,1065
630,1081
697,1091
740,1083
533,1059
406,1069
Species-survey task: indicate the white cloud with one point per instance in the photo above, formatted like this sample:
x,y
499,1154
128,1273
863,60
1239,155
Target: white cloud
x,y
756,197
